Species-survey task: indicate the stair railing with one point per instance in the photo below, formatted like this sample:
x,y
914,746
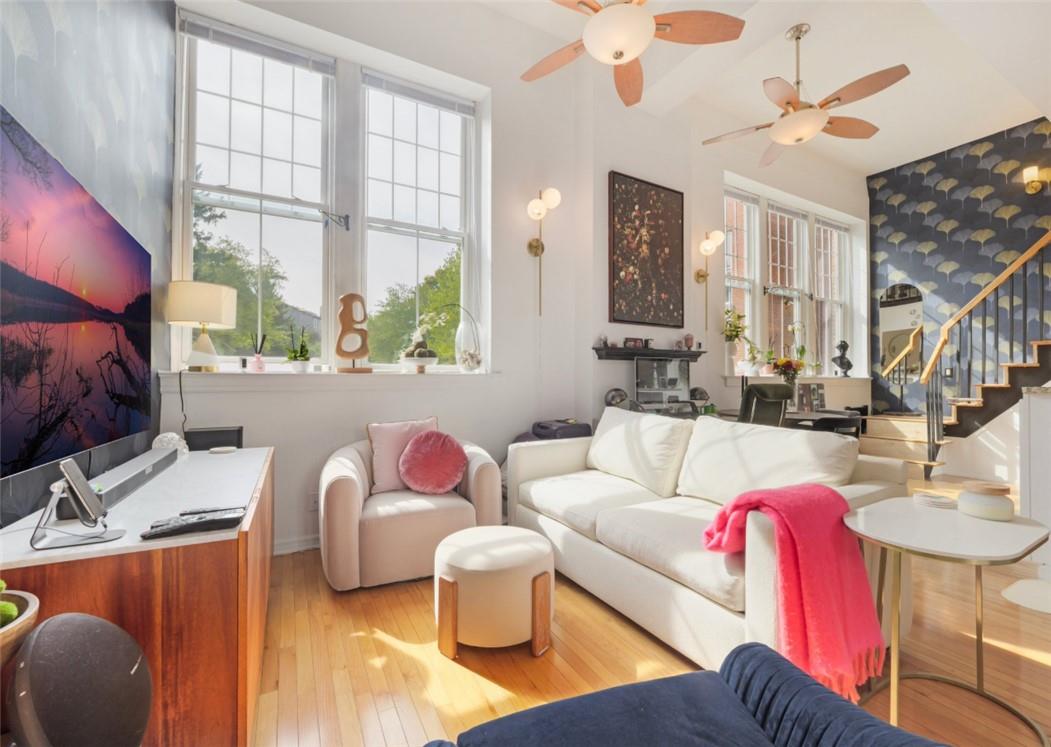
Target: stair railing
x,y
897,371
971,358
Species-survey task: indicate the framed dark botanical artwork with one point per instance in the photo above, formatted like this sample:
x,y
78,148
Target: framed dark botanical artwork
x,y
645,252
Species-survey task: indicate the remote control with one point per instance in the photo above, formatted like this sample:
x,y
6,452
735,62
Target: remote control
x,y
194,523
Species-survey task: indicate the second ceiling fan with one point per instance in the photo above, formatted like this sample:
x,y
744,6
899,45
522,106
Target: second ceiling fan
x,y
801,120
621,30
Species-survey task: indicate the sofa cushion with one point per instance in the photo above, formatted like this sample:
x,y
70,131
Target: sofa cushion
x,y
388,442
667,536
696,709
647,449
575,499
724,459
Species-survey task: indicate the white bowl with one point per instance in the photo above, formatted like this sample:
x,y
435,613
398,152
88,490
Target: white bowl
x,y
418,365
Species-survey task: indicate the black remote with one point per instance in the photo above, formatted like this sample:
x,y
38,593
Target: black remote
x,y
195,523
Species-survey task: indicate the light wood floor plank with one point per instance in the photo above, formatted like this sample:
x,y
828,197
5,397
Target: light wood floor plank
x,y
362,667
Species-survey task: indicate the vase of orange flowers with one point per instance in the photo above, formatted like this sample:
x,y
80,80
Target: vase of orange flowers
x,y
788,369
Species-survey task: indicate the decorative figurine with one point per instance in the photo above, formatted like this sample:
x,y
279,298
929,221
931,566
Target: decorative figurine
x,y
841,361
688,341
350,325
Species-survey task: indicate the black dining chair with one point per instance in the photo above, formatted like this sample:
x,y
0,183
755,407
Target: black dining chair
x,y
765,404
847,422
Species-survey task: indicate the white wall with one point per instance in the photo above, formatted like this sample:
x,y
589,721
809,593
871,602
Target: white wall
x,y
567,131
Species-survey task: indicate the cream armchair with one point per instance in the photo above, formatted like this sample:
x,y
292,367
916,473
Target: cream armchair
x,y
368,540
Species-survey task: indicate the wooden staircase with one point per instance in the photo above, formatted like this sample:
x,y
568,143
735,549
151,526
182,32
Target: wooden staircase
x,y
968,362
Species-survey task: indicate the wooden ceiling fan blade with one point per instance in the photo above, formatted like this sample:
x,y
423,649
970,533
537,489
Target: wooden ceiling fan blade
x,y
852,127
554,61
587,7
697,27
628,79
782,93
771,154
737,133
866,86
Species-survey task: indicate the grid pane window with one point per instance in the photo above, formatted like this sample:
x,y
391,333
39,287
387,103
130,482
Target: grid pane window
x,y
258,160
786,243
741,218
415,196
831,244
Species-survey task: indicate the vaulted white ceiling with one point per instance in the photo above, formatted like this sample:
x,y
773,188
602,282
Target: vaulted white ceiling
x,y
976,67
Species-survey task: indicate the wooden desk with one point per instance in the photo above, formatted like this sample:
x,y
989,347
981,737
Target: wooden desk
x,y
195,603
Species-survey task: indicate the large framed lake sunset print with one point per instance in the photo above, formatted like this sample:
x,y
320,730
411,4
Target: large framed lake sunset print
x,y
74,312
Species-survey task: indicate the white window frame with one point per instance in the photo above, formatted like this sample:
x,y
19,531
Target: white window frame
x,y
344,153
761,286
746,282
464,238
819,224
185,171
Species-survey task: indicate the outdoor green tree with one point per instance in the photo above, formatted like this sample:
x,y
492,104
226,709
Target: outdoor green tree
x,y
392,326
220,260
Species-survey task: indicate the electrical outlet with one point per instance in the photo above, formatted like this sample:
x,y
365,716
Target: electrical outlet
x,y
947,373
313,502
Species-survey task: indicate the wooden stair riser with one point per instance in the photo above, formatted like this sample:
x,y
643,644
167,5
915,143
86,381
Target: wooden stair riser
x,y
897,427
894,448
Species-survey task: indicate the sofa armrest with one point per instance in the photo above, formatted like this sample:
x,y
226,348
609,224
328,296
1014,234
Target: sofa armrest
x,y
881,469
760,581
342,490
535,459
793,708
481,486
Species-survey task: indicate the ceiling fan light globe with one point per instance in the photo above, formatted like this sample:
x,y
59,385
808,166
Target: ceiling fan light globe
x,y
619,33
799,126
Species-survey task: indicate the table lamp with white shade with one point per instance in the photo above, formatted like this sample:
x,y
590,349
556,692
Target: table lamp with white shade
x,y
196,304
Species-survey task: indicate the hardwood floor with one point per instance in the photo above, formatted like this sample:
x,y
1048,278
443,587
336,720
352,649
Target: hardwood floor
x,y
363,668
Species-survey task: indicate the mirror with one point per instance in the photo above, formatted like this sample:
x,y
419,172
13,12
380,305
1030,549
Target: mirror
x,y
900,313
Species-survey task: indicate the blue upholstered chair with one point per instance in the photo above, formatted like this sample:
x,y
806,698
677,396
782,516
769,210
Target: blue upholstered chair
x,y
757,699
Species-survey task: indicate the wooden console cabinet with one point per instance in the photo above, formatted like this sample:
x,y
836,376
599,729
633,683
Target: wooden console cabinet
x,y
196,603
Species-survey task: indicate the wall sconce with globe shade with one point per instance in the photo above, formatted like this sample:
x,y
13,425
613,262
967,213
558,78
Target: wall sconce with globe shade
x,y
548,199
1031,179
709,246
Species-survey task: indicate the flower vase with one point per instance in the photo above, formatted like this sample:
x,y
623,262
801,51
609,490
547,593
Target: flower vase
x,y
258,365
468,346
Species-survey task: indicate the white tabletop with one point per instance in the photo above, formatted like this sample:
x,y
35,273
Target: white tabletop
x,y
199,480
902,524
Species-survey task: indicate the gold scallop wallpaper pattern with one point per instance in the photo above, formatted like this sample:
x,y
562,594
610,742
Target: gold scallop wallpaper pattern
x,y
950,224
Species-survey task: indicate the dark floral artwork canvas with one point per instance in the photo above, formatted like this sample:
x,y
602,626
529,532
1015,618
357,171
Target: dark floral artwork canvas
x,y
645,252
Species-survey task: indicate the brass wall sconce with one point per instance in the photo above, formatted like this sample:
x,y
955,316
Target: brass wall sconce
x,y
711,243
1031,179
548,199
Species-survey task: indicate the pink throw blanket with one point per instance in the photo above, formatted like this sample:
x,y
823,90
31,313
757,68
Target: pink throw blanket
x,y
827,618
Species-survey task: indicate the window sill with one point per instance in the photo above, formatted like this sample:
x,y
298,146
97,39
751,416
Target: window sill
x,y
287,381
735,380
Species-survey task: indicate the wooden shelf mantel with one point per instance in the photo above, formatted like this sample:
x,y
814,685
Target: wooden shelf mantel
x,y
630,354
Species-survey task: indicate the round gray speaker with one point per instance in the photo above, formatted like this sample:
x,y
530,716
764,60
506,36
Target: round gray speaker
x,y
79,680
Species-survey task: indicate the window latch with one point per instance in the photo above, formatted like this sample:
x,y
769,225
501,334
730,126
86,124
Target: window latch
x,y
343,221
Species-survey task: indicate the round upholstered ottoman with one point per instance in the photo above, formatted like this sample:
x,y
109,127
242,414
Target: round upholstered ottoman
x,y
494,586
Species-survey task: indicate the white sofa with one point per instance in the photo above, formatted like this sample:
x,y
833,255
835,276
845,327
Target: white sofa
x,y
627,508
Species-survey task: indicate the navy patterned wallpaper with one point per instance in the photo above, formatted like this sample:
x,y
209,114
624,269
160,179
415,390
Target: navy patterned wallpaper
x,y
949,224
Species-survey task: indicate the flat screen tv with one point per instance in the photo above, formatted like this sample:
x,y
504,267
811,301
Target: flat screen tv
x,y
74,313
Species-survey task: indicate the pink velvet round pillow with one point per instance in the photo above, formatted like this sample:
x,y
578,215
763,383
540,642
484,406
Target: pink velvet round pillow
x,y
433,463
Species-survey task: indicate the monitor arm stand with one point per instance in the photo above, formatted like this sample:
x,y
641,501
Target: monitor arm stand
x,y
42,540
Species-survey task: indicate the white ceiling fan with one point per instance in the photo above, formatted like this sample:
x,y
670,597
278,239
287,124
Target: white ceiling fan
x,y
621,30
801,120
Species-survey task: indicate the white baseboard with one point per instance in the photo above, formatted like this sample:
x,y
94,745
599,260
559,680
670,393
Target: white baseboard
x,y
296,544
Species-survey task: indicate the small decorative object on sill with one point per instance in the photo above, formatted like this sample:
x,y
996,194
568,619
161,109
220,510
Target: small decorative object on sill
x,y
171,440
688,341
733,325
258,365
679,345
350,325
418,355
603,341
615,396
841,361
467,341
987,500
633,342
788,369
648,342
298,355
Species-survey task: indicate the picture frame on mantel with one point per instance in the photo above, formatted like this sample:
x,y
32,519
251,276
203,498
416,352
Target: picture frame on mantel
x,y
646,253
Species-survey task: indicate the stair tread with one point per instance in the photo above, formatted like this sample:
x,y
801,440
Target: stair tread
x,y
924,462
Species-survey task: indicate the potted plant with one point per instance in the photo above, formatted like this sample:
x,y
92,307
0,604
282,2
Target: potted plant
x,y
298,355
18,613
751,365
